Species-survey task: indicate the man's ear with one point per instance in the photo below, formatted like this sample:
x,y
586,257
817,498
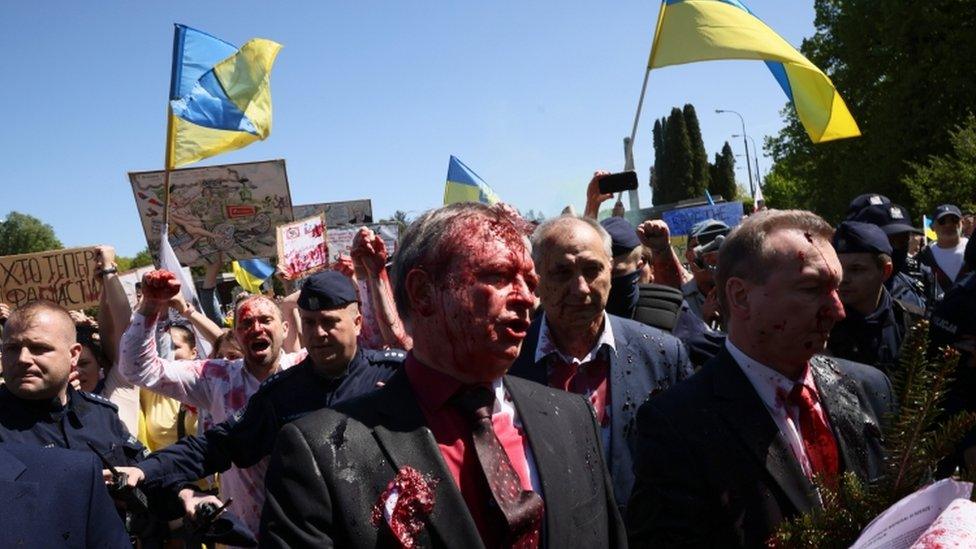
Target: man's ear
x,y
886,271
737,298
420,292
75,353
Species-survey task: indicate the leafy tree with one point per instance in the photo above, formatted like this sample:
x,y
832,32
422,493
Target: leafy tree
x,y
141,259
949,178
905,70
700,172
23,234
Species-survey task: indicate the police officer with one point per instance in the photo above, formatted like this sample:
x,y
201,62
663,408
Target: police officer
x,y
911,282
39,407
875,323
335,370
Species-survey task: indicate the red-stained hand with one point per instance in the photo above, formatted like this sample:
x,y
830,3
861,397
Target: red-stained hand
x,y
369,251
655,234
344,265
159,285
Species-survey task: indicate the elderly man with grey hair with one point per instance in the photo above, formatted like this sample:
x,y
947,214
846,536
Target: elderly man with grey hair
x,y
575,345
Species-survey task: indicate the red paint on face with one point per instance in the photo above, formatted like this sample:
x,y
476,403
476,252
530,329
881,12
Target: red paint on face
x,y
482,308
259,331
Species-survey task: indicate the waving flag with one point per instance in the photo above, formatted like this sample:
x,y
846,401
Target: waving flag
x,y
220,96
251,273
705,30
463,185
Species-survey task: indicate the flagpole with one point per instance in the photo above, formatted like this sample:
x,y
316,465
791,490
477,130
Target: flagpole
x,y
640,105
168,163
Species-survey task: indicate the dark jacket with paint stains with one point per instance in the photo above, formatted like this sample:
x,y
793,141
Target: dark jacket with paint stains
x,y
713,469
647,361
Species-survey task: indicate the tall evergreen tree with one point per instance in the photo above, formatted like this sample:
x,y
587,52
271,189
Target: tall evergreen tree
x,y
656,193
700,173
723,174
679,161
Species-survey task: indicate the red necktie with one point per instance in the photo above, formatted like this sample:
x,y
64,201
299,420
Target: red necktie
x,y
522,509
818,441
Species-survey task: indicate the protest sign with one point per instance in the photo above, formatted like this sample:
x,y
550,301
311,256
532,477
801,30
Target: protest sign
x,y
302,247
66,277
355,212
340,238
681,220
129,279
231,209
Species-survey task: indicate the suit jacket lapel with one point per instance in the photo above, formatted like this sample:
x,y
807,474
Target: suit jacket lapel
x,y
840,402
10,467
548,451
407,440
749,418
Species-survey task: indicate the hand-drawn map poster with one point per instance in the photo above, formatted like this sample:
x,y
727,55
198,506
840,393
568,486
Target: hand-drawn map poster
x,y
231,209
354,212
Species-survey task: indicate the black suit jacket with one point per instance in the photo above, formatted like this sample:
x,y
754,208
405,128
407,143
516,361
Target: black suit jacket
x,y
50,497
647,361
713,469
329,469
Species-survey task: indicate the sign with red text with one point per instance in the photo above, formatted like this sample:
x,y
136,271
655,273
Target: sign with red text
x,y
66,277
232,209
302,248
348,212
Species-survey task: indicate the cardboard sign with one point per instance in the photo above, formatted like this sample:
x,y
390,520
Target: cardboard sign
x,y
681,220
350,212
340,238
66,277
231,209
302,248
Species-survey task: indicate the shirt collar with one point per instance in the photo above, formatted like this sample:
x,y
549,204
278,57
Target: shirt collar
x,y
772,386
434,388
547,346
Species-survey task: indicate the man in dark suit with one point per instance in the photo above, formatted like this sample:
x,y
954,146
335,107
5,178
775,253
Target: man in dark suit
x,y
725,456
450,452
51,497
577,346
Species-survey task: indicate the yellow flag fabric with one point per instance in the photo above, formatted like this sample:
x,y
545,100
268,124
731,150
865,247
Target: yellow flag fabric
x,y
703,30
250,283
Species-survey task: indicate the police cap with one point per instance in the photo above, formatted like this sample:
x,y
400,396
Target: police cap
x,y
865,200
327,290
854,237
892,218
623,235
706,231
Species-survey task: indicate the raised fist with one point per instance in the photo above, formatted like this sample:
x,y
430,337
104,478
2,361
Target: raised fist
x,y
159,285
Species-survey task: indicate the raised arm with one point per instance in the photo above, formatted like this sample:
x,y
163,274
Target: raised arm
x,y
206,327
369,252
139,360
208,292
656,235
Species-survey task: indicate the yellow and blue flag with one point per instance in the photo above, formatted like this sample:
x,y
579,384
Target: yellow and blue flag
x,y
251,273
220,95
705,30
927,226
463,185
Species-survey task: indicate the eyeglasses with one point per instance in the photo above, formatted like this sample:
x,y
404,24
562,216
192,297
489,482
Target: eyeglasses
x,y
947,219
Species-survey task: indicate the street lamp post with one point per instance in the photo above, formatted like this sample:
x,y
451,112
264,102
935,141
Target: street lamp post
x,y
752,187
755,158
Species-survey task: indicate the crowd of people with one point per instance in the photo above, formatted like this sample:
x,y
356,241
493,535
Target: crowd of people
x,y
494,383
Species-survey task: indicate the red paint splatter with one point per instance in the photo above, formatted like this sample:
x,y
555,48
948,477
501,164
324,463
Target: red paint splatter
x,y
160,285
780,327
415,501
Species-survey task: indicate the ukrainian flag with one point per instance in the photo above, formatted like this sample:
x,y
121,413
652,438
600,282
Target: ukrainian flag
x,y
220,95
463,185
927,226
705,30
251,273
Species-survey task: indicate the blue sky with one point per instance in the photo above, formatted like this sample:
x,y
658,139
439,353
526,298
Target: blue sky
x,y
370,99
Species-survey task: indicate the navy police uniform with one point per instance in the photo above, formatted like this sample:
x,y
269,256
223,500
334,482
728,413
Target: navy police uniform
x,y
249,436
874,338
912,283
84,418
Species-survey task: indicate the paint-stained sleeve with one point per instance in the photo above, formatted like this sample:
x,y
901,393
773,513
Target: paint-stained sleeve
x,y
140,364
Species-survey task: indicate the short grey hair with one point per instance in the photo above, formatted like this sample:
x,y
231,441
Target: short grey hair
x,y
425,243
543,231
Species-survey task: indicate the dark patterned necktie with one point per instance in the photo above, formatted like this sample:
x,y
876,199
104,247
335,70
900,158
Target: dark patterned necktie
x,y
522,509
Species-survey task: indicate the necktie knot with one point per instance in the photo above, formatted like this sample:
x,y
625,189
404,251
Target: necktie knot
x,y
475,402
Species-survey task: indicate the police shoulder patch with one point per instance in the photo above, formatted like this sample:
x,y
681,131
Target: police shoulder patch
x,y
98,399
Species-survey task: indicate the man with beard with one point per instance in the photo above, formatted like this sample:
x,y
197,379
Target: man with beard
x,y
451,452
219,387
725,456
577,346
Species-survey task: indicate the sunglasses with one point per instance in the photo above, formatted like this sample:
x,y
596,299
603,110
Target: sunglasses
x,y
947,219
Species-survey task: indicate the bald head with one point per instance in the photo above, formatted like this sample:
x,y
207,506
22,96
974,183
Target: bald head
x,y
54,317
39,351
552,231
